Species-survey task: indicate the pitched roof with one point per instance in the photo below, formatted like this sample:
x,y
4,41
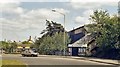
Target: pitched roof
x,y
82,42
77,28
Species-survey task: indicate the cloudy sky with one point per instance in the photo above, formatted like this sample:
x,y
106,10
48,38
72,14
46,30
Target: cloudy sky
x,y
19,20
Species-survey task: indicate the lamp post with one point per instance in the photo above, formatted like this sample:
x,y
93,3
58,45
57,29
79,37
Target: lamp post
x,y
64,27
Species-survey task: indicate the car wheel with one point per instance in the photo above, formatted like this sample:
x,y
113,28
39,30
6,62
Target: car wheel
x,y
32,55
23,55
35,55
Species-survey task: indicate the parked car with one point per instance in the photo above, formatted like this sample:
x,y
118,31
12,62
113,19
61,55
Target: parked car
x,y
29,53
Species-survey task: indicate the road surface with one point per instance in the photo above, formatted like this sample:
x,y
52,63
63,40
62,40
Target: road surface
x,y
49,60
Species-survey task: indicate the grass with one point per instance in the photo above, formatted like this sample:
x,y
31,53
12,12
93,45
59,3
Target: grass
x,y
12,63
0,62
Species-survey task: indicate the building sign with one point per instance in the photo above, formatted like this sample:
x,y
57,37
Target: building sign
x,y
19,47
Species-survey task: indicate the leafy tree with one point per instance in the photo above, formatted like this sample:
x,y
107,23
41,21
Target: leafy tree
x,y
52,27
8,46
53,38
50,44
4,44
100,16
109,29
106,25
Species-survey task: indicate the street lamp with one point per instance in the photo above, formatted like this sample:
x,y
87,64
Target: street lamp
x,y
64,27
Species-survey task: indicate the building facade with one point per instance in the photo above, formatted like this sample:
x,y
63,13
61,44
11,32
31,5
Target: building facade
x,y
75,35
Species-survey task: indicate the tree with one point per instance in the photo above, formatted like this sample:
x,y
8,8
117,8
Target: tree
x,y
50,44
8,46
52,27
52,40
4,44
106,25
109,27
99,16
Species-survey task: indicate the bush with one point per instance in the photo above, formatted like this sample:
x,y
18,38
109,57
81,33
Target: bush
x,y
111,53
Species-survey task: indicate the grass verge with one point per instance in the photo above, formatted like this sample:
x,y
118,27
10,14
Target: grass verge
x,y
0,63
13,63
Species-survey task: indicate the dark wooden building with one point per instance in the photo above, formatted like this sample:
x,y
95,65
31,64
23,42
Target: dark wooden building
x,y
76,35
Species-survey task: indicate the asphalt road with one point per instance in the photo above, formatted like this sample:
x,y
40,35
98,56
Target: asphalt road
x,y
49,60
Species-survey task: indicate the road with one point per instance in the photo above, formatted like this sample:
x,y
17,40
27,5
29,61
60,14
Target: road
x,y
49,60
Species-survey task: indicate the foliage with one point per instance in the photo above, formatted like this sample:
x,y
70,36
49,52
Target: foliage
x,y
107,26
53,39
99,16
50,44
4,44
52,27
8,46
109,29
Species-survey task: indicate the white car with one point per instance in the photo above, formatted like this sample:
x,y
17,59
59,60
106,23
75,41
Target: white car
x,y
29,53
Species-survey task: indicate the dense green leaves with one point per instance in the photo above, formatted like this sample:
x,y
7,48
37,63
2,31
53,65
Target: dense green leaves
x,y
107,26
4,44
50,44
109,29
8,46
99,16
52,27
53,39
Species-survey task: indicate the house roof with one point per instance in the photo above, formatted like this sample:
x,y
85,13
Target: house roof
x,y
77,28
77,34
82,42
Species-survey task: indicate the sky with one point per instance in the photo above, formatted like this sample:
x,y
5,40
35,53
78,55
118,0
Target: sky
x,y
21,19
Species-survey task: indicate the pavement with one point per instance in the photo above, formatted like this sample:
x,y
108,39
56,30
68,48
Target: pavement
x,y
107,61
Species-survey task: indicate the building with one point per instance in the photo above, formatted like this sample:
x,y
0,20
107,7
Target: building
x,y
25,44
75,35
82,42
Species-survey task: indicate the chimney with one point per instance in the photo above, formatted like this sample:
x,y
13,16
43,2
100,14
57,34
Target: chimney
x,y
29,38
